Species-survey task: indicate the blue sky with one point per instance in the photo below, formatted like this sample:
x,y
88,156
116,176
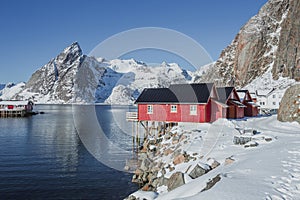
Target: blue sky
x,y
33,31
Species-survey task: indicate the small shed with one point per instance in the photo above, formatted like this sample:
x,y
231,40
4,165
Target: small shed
x,y
229,96
251,109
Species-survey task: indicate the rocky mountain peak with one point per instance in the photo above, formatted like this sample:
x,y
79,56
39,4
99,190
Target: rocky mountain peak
x,y
268,41
69,54
54,81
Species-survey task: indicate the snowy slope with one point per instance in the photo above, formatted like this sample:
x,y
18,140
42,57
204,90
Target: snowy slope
x,y
266,82
136,76
10,89
270,170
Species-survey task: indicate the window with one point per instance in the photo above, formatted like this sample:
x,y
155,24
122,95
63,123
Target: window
x,y
274,103
150,109
274,96
173,109
193,110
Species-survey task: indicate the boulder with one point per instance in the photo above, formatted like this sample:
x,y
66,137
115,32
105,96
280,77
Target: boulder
x,y
289,109
175,140
251,144
176,180
229,161
212,182
241,140
179,159
199,170
168,151
268,139
145,164
212,163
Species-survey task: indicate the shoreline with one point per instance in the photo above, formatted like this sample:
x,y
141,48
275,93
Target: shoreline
x,y
181,156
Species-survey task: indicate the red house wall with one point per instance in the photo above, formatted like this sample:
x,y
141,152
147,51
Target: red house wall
x,y
162,112
239,112
217,111
250,111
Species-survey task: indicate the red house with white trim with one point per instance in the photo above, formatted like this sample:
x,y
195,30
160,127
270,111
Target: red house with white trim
x,y
229,97
251,109
181,103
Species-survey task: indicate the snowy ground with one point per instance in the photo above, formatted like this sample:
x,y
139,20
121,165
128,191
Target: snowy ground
x,y
269,171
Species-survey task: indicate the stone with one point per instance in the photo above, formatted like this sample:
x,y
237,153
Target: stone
x,y
171,168
138,171
145,164
168,152
175,140
199,170
268,139
146,187
126,168
289,109
175,181
212,163
241,140
229,161
176,153
211,183
251,144
131,197
163,171
182,137
145,177
167,137
179,159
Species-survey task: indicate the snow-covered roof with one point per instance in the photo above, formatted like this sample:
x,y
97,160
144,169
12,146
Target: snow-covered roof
x,y
14,103
263,92
239,104
252,103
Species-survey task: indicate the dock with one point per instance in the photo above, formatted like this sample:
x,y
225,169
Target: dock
x,y
15,108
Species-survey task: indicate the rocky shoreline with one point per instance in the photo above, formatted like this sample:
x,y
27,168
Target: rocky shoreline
x,y
173,159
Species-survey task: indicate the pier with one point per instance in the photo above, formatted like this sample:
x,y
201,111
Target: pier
x,y
15,108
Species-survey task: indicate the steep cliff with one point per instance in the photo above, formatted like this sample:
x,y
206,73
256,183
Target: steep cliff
x,y
269,41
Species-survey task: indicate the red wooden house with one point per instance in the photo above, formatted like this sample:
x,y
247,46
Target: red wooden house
x,y
251,109
229,97
181,103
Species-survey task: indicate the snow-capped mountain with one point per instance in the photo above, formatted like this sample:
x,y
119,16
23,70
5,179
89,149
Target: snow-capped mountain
x,y
10,90
268,43
72,77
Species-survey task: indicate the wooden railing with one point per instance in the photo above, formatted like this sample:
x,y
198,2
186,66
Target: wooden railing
x,y
131,116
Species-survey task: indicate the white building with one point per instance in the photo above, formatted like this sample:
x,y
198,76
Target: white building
x,y
269,99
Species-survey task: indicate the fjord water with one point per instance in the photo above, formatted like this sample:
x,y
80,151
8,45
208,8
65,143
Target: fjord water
x,y
42,157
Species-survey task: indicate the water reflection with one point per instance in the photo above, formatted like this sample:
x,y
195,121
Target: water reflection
x,y
102,137
42,157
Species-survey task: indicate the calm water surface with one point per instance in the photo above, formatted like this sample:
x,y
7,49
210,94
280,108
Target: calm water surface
x,y
42,157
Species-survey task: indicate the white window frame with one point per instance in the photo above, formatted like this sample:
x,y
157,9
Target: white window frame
x,y
149,109
193,109
173,109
